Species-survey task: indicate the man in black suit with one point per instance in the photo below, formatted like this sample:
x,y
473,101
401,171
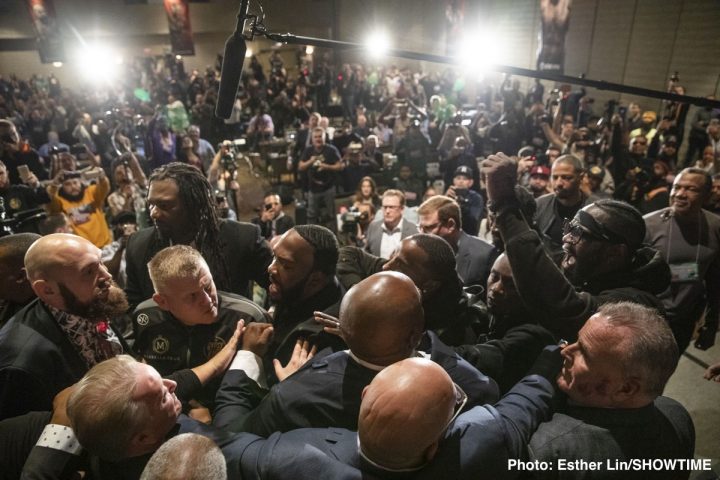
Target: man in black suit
x,y
182,205
440,216
381,320
302,281
409,421
51,343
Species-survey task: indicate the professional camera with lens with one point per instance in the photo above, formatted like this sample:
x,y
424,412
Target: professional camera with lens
x,y
352,218
462,195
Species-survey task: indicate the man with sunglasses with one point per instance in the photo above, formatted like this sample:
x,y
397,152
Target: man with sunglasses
x,y
604,259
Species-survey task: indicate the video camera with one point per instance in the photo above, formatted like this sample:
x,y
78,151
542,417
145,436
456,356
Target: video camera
x,y
352,218
22,222
234,149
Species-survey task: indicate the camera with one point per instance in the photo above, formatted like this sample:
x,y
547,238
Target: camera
x,y
462,195
317,163
352,218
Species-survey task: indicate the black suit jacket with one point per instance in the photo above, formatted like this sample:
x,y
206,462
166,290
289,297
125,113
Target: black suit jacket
x,y
36,361
247,256
474,259
326,392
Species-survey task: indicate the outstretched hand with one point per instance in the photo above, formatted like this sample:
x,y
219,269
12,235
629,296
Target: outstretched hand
x,y
301,354
330,324
713,373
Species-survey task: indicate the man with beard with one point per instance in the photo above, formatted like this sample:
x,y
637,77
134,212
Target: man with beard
x,y
54,340
83,204
604,257
183,207
302,281
689,238
567,198
613,378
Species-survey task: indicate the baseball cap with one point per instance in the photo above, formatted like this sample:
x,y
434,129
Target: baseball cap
x,y
463,170
541,170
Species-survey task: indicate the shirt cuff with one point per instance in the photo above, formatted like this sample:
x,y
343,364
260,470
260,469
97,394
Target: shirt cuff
x,y
59,437
251,364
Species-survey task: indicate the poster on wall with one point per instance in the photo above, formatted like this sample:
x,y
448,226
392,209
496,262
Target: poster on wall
x,y
50,46
554,21
178,14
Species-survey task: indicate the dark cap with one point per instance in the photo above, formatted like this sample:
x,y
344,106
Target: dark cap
x,y
596,172
124,217
670,140
464,170
540,170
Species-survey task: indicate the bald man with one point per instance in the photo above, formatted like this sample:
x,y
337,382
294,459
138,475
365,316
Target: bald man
x,y
55,339
381,320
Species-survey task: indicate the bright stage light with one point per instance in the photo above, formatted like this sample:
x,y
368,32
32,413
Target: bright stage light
x,y
479,51
309,50
98,63
377,44
57,64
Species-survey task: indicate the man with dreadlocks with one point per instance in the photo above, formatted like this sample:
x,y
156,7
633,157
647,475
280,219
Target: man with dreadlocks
x,y
182,206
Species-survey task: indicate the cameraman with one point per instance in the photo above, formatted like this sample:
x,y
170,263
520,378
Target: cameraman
x,y
71,193
272,220
472,205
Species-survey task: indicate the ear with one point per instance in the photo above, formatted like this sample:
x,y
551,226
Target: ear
x,y
451,225
364,391
161,300
430,287
44,288
430,451
628,390
21,276
143,442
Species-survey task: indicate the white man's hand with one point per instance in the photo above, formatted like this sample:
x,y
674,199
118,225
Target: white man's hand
x,y
221,361
501,176
301,354
713,373
59,416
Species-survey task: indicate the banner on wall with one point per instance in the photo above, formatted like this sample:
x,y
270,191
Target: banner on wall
x,y
454,19
554,21
178,15
50,46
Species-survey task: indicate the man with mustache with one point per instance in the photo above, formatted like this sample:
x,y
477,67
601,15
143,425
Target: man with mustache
x,y
55,339
564,201
604,257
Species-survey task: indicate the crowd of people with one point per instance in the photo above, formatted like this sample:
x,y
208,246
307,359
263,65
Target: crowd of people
x,y
440,310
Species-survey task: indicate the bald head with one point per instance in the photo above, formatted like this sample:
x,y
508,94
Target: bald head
x,y
404,413
47,257
381,318
188,456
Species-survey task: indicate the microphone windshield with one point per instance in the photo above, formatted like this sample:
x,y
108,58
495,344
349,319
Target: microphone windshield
x,y
230,74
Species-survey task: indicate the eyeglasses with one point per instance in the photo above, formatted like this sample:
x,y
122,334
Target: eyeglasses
x,y
461,400
428,228
584,225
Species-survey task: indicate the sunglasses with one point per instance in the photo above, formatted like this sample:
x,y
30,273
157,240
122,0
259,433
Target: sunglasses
x,y
584,225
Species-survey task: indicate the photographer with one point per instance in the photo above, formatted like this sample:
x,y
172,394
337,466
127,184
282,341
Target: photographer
x,y
21,197
272,220
72,194
357,166
472,205
321,162
355,223
129,194
13,153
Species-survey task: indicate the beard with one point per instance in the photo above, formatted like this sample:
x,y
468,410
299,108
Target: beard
x,y
98,308
70,197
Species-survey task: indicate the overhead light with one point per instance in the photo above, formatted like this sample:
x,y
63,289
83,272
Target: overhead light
x,y
178,57
248,53
309,50
57,64
377,44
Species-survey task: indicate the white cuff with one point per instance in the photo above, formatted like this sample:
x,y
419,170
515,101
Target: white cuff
x,y
251,364
59,437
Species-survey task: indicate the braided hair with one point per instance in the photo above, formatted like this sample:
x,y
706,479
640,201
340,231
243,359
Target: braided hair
x,y
198,200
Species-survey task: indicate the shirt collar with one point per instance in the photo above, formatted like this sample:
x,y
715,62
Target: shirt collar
x,y
398,227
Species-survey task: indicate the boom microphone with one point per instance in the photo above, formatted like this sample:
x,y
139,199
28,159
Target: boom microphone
x,y
232,65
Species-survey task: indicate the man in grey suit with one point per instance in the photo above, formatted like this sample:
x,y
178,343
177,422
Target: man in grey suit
x,y
474,257
384,236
